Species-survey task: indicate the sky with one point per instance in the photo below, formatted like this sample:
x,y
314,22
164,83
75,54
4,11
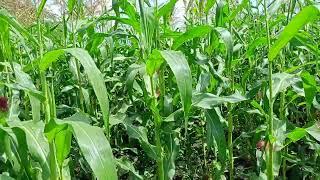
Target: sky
x,y
52,7
56,9
178,14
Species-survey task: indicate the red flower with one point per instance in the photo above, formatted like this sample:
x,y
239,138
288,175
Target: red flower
x,y
4,106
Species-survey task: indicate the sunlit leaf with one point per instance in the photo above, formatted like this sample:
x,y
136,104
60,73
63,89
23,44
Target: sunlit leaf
x,y
306,15
181,70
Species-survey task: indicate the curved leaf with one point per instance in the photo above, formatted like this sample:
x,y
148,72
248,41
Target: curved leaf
x,y
96,79
226,37
166,9
208,101
180,68
215,135
94,75
92,142
96,150
296,134
314,131
125,164
198,31
49,58
281,81
36,142
24,80
306,15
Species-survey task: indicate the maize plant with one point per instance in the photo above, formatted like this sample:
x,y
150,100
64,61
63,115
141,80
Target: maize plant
x,y
230,93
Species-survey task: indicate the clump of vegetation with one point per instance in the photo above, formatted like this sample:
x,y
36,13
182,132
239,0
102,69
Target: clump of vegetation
x,y
125,95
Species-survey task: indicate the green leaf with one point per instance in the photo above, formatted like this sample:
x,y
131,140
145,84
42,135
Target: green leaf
x,y
132,72
37,144
314,131
96,79
208,100
49,58
5,177
140,133
172,151
181,70
94,147
209,5
33,92
5,38
154,62
132,22
281,81
128,9
125,164
194,32
226,37
23,79
40,8
306,15
71,4
296,134
167,8
16,147
63,144
94,75
309,86
61,134
221,13
215,134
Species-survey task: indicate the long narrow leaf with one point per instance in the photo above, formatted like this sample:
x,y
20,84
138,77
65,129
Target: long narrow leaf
x,y
180,68
306,15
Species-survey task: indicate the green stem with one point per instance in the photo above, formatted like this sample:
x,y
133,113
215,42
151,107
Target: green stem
x,y
77,62
282,118
46,103
157,123
230,118
270,117
270,128
230,145
203,144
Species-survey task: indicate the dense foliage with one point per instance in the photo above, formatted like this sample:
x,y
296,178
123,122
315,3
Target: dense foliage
x,y
125,95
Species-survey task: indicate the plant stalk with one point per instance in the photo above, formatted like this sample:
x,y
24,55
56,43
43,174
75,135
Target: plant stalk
x,y
230,145
157,123
46,104
77,61
230,107
270,116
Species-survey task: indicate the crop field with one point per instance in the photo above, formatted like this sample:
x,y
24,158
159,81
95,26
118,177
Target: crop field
x,y
126,89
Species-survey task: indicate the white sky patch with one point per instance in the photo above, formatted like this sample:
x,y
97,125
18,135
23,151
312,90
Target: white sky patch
x,y
178,20
53,7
